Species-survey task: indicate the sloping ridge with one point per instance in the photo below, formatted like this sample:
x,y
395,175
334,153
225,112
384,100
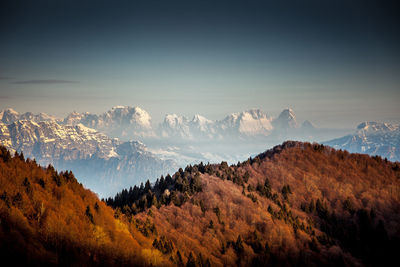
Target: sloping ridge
x,y
296,204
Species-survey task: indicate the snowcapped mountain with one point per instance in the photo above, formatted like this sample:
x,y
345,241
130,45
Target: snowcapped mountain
x,y
48,141
128,123
187,140
9,115
285,121
203,127
103,164
175,126
244,124
121,121
247,123
372,138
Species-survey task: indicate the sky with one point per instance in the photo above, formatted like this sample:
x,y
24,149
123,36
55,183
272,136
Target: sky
x,y
335,63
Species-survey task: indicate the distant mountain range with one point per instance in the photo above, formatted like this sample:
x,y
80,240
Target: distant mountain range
x,y
134,123
244,124
372,138
198,139
103,164
103,148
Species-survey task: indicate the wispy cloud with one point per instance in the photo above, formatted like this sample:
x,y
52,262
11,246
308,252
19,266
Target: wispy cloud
x,y
5,78
45,81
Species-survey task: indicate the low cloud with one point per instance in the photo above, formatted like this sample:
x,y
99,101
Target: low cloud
x,y
46,81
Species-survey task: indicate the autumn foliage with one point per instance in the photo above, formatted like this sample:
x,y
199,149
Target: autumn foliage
x,y
297,204
47,218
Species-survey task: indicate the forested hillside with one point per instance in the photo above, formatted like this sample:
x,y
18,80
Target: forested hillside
x,y
297,204
48,219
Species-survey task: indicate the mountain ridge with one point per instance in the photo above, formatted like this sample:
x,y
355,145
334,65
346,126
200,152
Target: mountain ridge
x,y
106,163
373,138
295,204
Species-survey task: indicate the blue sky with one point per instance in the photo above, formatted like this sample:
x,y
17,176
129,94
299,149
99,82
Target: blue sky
x,y
336,64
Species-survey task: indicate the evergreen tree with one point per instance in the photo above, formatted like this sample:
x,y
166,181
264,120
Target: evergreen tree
x,y
191,262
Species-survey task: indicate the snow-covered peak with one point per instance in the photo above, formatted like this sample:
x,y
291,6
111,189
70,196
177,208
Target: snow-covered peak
x,y
9,115
376,127
251,113
119,107
250,123
10,111
201,120
373,138
128,115
120,121
174,120
287,114
73,118
175,126
36,117
200,126
286,120
254,122
254,113
83,129
64,141
141,117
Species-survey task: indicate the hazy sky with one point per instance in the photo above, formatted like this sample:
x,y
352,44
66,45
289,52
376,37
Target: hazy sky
x,y
336,63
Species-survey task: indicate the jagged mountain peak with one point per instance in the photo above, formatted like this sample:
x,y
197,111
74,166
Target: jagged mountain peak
x,y
120,121
286,120
254,113
9,115
199,119
249,123
373,126
10,111
74,117
287,113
